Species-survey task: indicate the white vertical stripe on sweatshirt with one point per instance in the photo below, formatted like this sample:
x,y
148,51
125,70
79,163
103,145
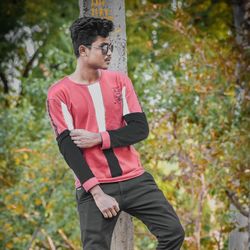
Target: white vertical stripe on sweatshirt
x,y
124,102
67,116
96,95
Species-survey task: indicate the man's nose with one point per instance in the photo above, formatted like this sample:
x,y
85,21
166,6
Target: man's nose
x,y
109,52
109,49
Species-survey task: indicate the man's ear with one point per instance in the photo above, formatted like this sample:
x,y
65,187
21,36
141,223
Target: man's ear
x,y
82,50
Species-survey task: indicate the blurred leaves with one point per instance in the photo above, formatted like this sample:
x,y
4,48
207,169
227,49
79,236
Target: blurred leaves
x,y
193,84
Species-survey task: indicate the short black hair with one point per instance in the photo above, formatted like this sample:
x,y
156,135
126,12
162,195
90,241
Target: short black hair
x,y
84,31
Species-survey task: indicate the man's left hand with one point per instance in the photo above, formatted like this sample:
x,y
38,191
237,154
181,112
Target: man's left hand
x,y
84,138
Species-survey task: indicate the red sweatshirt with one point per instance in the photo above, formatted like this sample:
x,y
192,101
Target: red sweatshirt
x,y
108,106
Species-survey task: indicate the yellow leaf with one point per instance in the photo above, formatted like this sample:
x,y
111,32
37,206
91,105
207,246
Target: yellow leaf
x,y
44,190
38,201
25,156
32,175
19,209
7,227
8,197
17,161
49,206
9,245
230,93
24,197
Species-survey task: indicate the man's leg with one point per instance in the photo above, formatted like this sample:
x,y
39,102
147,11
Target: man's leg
x,y
96,231
143,199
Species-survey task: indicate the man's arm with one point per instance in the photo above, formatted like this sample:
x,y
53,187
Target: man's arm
x,y
61,121
137,128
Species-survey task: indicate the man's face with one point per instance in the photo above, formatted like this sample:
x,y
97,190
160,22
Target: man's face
x,y
99,54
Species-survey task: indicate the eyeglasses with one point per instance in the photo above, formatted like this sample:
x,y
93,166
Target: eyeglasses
x,y
105,48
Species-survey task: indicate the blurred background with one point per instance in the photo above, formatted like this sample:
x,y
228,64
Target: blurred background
x,y
189,63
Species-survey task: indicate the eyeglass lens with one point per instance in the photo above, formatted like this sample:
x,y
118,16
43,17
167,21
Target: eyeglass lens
x,y
106,47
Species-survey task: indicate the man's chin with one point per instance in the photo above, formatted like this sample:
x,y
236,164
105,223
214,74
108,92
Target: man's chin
x,y
104,67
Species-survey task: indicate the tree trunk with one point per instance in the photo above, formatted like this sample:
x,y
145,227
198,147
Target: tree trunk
x,y
114,10
198,223
239,238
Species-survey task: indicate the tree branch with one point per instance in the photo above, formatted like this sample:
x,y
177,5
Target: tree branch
x,y
66,240
32,59
5,82
30,62
50,241
234,199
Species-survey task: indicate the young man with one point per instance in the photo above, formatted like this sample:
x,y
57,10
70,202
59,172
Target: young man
x,y
97,118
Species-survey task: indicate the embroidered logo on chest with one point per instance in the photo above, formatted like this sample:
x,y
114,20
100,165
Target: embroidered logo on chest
x,y
117,94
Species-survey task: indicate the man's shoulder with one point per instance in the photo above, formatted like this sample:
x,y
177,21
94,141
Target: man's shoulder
x,y
56,88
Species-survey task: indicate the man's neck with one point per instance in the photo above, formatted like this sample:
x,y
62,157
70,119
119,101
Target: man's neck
x,y
85,75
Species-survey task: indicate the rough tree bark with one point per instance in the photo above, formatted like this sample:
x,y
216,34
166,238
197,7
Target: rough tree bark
x,y
239,238
114,10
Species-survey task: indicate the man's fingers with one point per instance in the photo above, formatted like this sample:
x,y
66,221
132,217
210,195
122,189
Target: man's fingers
x,y
77,142
113,211
105,215
78,131
75,132
116,205
73,137
117,209
107,211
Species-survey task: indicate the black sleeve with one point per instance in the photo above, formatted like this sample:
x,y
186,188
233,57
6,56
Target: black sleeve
x,y
73,156
136,130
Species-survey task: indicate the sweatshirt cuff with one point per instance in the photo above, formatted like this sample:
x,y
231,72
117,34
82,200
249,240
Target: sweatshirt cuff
x,y
105,140
87,185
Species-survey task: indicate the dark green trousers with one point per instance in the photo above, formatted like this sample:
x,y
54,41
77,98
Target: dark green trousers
x,y
139,197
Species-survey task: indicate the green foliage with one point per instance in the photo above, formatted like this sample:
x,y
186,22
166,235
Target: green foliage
x,y
35,182
183,65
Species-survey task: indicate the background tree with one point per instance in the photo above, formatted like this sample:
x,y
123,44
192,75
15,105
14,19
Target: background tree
x,y
114,10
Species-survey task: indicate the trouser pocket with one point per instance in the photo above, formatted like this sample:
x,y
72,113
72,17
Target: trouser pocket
x,y
82,196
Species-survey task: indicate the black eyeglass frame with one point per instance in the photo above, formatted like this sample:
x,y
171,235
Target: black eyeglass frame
x,y
105,48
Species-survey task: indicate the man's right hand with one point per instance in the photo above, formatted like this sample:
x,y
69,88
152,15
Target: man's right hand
x,y
108,205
